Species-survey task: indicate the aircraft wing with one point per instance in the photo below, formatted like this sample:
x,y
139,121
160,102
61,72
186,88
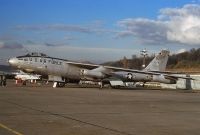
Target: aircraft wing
x,y
170,74
83,65
110,68
6,73
115,69
176,77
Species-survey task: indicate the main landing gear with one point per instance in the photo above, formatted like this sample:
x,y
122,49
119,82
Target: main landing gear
x,y
100,85
58,84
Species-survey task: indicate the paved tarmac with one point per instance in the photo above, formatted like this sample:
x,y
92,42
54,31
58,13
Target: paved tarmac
x,y
44,110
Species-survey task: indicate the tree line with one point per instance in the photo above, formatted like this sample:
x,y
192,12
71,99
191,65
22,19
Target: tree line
x,y
185,60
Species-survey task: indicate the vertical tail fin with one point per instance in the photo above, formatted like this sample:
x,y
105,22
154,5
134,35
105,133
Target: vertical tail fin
x,y
159,62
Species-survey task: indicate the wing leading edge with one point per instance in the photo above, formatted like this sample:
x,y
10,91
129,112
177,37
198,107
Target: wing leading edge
x,y
111,69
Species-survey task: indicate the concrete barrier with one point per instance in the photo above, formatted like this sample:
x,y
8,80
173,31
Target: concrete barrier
x,y
186,84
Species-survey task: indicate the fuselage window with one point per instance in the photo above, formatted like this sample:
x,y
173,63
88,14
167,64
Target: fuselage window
x,y
56,62
25,59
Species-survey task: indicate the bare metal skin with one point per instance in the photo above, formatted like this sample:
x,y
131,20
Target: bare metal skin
x,y
60,70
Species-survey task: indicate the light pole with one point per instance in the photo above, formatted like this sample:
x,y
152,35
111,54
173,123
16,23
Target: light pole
x,y
144,54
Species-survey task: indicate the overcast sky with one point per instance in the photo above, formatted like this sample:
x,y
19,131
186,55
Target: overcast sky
x,y
97,30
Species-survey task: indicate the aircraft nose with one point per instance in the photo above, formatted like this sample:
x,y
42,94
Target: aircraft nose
x,y
12,61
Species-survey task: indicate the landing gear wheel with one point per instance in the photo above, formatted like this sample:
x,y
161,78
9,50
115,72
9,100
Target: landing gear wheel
x,y
101,85
60,84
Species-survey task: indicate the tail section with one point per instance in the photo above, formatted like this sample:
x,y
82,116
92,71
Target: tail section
x,y
159,62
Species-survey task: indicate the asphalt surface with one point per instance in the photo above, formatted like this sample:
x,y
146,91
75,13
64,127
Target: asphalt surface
x,y
43,110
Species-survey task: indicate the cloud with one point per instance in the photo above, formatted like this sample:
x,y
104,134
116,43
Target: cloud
x,y
54,44
124,34
58,27
95,55
148,31
6,37
172,26
50,45
11,45
94,28
69,38
181,51
30,42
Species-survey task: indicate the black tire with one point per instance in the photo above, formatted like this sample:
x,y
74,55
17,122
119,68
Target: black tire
x,y
60,84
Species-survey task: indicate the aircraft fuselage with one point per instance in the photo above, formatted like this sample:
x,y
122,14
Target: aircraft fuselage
x,y
46,66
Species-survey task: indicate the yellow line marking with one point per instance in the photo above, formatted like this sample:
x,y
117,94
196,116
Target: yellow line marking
x,y
9,129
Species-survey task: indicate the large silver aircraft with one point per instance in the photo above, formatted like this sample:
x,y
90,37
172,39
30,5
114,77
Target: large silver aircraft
x,y
61,71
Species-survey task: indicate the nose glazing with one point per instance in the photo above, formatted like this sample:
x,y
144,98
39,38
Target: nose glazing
x,y
12,61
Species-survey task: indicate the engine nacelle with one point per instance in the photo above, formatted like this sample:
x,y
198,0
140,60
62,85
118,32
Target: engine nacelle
x,y
135,77
164,79
91,74
140,77
56,78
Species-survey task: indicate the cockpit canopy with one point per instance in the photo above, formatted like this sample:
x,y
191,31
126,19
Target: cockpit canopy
x,y
33,54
